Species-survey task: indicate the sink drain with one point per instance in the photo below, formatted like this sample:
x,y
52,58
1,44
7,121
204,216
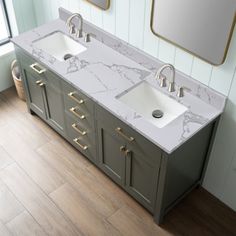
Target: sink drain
x,y
67,56
157,114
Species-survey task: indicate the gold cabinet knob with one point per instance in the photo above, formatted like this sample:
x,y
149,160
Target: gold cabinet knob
x,y
122,149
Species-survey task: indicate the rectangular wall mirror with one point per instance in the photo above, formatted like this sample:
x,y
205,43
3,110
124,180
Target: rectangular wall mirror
x,y
102,4
201,27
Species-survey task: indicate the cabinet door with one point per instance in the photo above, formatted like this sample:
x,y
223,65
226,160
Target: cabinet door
x,y
142,176
111,157
34,90
54,102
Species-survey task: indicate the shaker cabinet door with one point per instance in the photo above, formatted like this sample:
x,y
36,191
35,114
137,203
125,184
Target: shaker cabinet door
x,y
111,154
141,178
34,90
55,103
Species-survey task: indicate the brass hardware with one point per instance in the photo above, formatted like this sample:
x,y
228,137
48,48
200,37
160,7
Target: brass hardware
x,y
73,110
127,152
79,101
37,68
122,148
75,127
84,147
120,132
41,84
38,82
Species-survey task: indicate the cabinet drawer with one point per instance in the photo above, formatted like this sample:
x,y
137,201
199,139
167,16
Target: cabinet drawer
x,y
77,129
133,139
83,143
75,98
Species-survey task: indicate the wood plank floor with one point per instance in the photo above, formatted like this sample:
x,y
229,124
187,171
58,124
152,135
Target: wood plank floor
x,y
48,188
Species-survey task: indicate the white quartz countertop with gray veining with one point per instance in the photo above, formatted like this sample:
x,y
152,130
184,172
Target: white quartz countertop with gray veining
x,y
103,73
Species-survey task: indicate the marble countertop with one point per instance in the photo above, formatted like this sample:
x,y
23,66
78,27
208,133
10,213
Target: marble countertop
x,y
110,67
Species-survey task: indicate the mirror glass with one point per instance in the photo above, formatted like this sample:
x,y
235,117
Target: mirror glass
x,y
201,27
103,4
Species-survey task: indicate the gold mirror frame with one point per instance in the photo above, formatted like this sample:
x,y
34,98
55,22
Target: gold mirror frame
x,y
105,8
188,51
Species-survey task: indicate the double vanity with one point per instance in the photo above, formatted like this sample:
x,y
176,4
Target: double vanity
x,y
150,132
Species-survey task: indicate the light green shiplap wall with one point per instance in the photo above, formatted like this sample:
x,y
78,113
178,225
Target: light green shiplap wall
x,y
25,18
130,21
25,15
5,77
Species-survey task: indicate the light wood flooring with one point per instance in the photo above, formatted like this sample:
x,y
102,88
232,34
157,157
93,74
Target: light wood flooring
x,y
48,188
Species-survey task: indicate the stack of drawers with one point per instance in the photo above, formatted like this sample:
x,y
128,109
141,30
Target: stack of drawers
x,y
79,118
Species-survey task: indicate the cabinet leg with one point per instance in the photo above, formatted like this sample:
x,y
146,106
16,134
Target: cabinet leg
x,y
158,219
31,112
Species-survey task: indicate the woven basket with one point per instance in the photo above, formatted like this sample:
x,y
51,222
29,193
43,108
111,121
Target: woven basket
x,y
15,71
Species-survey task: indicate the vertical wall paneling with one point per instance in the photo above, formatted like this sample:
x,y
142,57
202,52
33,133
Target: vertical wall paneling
x,y
150,41
25,14
229,195
96,16
74,5
63,3
136,23
54,9
183,61
85,10
109,18
166,52
201,71
122,19
5,62
223,149
222,75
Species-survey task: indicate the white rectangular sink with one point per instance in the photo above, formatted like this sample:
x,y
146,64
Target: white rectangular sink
x,y
60,46
145,99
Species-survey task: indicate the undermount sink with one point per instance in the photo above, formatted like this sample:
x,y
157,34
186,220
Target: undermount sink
x,y
60,46
149,102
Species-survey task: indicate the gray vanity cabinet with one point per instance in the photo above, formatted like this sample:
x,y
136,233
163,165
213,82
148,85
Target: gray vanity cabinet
x,y
43,91
34,88
142,172
154,178
111,157
54,102
128,158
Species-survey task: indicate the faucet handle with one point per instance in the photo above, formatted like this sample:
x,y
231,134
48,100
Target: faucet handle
x,y
72,29
181,89
162,79
79,33
87,37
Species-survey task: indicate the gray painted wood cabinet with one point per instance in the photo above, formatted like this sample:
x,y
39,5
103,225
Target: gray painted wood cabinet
x,y
155,179
128,158
43,92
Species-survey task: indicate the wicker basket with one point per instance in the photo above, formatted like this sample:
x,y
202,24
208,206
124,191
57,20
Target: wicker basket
x,y
15,71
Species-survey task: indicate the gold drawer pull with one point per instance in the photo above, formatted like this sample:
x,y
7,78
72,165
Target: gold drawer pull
x,y
120,132
84,147
73,110
37,68
79,101
38,82
75,127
